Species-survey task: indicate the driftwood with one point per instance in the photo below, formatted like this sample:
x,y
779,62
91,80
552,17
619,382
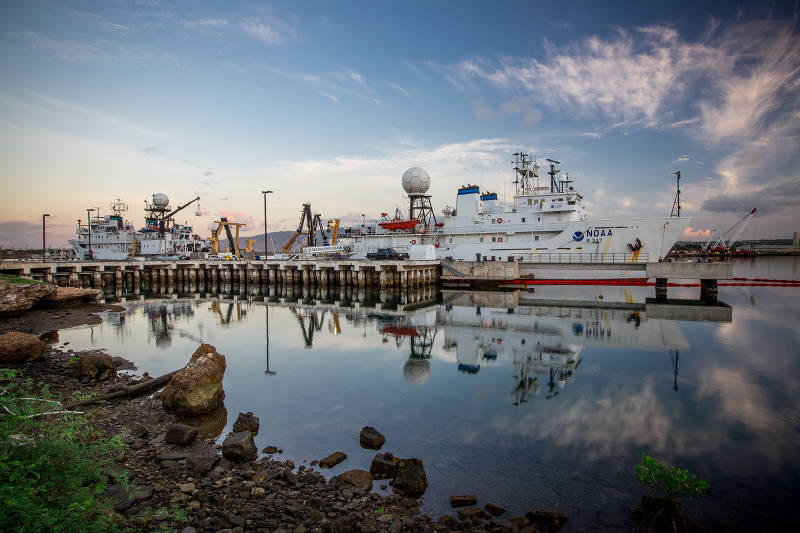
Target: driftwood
x,y
127,391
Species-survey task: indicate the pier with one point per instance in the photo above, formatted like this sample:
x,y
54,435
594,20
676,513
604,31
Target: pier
x,y
381,275
146,275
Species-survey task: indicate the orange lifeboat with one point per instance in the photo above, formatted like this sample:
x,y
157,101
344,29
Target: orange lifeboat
x,y
397,224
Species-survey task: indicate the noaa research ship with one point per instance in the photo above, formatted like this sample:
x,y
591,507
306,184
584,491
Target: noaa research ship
x,y
546,217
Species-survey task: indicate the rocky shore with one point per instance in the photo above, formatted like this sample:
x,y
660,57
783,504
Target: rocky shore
x,y
172,459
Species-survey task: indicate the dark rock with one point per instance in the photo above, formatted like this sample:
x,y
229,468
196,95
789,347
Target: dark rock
x,y
246,422
16,347
188,529
546,521
120,499
138,431
235,519
360,479
447,520
49,337
384,466
202,464
172,456
181,434
463,500
470,513
270,450
144,492
411,479
239,447
98,367
197,387
371,438
494,510
332,460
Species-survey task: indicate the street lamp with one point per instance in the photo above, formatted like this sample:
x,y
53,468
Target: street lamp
x,y
44,242
89,227
265,193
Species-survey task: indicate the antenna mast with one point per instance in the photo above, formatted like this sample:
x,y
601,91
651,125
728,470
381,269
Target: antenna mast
x,y
676,204
526,172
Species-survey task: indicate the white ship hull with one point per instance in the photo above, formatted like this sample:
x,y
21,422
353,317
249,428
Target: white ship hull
x,y
578,241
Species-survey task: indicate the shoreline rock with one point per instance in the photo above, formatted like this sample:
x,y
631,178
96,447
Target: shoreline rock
x,y
196,389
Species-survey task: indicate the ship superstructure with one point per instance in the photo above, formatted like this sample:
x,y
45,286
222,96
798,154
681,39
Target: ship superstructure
x,y
112,238
546,217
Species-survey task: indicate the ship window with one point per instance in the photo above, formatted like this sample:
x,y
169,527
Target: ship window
x,y
523,219
450,241
530,201
536,238
571,202
492,221
481,239
493,240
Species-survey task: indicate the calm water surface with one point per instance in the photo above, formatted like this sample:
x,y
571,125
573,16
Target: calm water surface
x,y
524,402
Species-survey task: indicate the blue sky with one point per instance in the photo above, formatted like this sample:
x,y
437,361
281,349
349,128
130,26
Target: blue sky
x,y
330,102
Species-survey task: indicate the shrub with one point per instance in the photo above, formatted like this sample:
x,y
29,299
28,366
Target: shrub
x,y
52,467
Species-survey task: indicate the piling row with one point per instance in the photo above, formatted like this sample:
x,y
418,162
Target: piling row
x,y
381,275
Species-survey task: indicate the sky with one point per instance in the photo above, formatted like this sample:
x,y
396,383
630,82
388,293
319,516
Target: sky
x,y
330,102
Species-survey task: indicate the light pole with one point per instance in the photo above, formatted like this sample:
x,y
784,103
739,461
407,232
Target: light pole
x,y
89,230
266,250
44,242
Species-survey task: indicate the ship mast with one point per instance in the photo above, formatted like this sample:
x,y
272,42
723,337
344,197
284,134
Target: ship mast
x,y
676,204
526,174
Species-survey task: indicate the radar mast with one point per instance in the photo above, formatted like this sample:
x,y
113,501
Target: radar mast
x,y
526,174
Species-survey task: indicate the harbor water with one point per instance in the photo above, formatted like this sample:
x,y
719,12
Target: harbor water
x,y
537,399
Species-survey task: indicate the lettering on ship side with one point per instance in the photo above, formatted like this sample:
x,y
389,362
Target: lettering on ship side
x,y
592,235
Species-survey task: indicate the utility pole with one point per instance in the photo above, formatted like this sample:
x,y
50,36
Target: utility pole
x,y
89,230
266,250
676,205
44,241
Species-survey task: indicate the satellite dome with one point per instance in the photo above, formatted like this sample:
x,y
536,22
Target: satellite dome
x,y
417,371
416,180
160,200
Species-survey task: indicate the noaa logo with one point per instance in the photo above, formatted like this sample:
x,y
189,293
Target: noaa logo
x,y
577,236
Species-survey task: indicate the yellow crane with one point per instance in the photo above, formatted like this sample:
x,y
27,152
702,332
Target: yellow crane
x,y
234,241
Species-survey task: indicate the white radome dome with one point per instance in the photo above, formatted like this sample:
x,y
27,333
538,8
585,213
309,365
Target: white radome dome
x,y
416,181
417,371
160,199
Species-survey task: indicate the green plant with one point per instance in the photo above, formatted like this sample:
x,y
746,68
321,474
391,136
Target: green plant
x,y
16,279
160,519
381,510
668,483
659,509
52,464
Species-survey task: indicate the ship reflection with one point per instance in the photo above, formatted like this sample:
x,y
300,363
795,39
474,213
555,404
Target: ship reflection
x,y
540,339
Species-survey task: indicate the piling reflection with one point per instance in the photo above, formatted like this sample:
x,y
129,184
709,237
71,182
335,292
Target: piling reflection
x,y
540,340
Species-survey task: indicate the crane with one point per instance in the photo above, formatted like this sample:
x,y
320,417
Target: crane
x,y
725,241
234,241
165,218
312,223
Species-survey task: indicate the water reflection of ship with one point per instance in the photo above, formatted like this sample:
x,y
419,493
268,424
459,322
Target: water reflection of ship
x,y
162,317
488,329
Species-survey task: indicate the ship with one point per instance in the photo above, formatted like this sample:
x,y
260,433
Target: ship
x,y
113,238
546,221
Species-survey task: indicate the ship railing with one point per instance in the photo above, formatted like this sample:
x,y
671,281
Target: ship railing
x,y
571,257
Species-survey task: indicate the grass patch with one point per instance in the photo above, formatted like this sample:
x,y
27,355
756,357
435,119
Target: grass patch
x,y
16,279
52,468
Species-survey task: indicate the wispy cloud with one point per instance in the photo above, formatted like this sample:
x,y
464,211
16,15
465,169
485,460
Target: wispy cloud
x,y
399,88
333,84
